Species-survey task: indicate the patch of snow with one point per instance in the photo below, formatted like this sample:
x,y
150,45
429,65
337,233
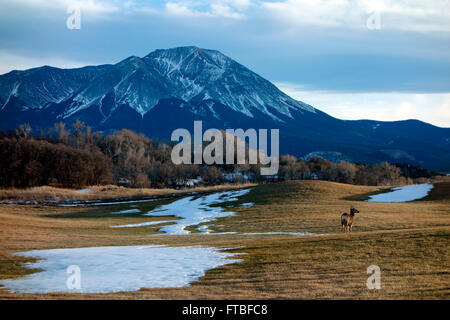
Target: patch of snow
x,y
13,92
219,233
118,268
204,229
299,234
143,224
247,205
210,105
83,190
80,103
194,211
403,194
127,211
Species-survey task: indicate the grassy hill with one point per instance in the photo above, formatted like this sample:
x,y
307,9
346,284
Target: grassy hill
x,y
408,241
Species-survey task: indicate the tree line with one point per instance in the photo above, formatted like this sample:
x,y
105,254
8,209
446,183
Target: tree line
x,y
382,173
77,156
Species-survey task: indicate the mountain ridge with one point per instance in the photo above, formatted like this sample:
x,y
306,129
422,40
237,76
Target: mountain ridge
x,y
170,88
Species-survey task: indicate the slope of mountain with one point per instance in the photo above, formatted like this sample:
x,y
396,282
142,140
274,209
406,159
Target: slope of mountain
x,y
169,89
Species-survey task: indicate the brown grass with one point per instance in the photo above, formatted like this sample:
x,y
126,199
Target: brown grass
x,y
408,241
47,193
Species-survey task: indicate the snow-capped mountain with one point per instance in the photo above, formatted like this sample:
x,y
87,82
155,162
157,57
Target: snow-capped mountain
x,y
169,89
190,74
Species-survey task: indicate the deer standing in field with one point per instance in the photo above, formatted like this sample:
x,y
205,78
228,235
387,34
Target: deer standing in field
x,y
347,219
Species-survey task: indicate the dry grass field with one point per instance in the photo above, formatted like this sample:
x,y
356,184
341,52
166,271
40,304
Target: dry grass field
x,y
408,241
46,193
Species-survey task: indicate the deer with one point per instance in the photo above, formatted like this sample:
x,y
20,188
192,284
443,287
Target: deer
x,y
347,219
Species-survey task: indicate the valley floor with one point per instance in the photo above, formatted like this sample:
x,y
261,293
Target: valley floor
x,y
408,241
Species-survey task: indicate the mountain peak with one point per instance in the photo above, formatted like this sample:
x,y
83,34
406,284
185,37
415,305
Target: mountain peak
x,y
184,50
192,54
189,73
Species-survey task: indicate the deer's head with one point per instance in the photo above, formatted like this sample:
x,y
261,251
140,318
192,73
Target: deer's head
x,y
353,210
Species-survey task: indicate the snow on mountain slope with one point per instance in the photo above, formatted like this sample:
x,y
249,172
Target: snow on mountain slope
x,y
188,73
38,87
209,75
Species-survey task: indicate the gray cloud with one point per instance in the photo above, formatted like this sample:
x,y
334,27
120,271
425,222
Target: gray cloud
x,y
325,50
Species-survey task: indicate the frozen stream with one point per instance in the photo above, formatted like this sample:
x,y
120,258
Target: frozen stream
x,y
191,211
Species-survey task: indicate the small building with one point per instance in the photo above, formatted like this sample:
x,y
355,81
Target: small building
x,y
237,176
313,176
123,182
189,182
194,182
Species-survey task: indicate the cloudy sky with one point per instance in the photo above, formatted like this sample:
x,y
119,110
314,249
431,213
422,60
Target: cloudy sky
x,y
368,59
